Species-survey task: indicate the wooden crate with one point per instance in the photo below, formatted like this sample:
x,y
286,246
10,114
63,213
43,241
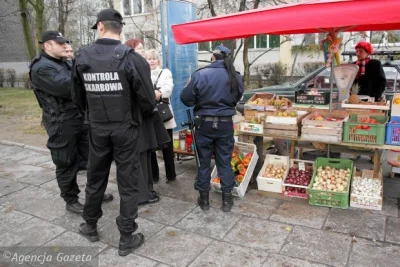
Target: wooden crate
x,y
272,184
375,203
308,165
344,116
281,129
366,106
324,131
260,107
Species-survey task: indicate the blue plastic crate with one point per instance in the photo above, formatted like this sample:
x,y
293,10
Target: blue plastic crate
x,y
393,132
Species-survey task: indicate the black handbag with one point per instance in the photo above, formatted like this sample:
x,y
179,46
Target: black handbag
x,y
163,105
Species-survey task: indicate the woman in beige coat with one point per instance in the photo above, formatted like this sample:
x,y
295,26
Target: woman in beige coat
x,y
164,84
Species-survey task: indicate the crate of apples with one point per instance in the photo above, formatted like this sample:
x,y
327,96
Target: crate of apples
x,y
298,179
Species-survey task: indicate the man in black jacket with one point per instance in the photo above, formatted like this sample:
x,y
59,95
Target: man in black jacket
x,y
112,84
50,77
370,77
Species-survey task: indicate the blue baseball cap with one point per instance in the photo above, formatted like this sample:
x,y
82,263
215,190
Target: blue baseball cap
x,y
220,49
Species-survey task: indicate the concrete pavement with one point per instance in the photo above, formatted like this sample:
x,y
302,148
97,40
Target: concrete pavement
x,y
263,229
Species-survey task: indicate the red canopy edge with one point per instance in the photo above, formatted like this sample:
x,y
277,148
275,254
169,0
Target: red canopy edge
x,y
304,17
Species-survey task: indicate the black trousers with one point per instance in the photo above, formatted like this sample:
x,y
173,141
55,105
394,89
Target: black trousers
x,y
122,146
146,178
66,140
168,154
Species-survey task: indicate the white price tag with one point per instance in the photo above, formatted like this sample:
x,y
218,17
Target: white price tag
x,y
302,166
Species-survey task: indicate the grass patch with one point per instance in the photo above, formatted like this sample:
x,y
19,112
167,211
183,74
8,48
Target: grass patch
x,y
35,129
19,102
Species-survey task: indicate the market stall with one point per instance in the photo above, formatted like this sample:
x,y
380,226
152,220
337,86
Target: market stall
x,y
351,125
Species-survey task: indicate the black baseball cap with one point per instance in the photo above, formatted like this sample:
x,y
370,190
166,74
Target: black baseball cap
x,y
53,35
108,14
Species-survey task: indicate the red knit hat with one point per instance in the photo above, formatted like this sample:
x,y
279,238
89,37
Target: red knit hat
x,y
366,46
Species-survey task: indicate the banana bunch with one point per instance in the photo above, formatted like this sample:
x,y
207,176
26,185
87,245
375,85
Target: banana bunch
x,y
278,103
257,101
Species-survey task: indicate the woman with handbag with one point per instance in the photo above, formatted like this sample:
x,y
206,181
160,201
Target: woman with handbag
x,y
163,86
152,136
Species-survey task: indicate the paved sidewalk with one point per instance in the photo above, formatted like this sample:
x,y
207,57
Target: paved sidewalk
x,y
263,229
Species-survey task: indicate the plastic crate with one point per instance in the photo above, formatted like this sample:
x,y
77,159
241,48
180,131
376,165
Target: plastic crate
x,y
308,165
375,134
329,198
240,190
272,184
393,132
304,98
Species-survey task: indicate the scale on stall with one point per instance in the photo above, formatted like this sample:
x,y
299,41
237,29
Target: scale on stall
x,y
345,75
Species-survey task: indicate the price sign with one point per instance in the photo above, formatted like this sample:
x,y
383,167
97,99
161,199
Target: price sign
x,y
302,166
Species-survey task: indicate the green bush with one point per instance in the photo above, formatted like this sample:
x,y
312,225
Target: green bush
x,y
2,76
11,77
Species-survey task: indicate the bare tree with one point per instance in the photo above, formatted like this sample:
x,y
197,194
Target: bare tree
x,y
38,7
26,29
229,6
64,9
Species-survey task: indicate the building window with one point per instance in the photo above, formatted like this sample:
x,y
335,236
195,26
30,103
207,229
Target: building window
x,y
258,41
127,7
133,7
264,41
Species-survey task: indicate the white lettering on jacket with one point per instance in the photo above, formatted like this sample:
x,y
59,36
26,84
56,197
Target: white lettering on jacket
x,y
102,82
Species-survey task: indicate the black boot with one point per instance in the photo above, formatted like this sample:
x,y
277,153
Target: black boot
x,y
203,200
75,207
89,231
227,202
128,243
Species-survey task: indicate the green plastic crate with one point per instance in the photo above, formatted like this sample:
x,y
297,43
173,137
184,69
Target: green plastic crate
x,y
374,135
328,198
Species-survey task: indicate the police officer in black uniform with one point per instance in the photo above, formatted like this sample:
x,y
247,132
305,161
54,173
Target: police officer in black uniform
x,y
50,77
214,92
112,83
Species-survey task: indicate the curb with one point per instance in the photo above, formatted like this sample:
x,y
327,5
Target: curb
x,y
35,148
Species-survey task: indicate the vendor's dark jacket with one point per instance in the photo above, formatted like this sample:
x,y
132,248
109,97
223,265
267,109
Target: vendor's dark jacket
x,y
51,77
373,83
209,91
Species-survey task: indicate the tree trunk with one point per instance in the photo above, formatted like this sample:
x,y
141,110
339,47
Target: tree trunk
x,y
61,17
110,3
246,74
295,57
246,62
26,29
39,8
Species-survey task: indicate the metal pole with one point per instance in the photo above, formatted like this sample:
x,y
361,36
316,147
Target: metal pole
x,y
330,104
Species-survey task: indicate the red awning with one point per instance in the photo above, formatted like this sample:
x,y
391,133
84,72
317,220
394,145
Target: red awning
x,y
304,17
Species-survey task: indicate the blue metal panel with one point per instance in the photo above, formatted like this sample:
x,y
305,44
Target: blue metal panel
x,y
180,59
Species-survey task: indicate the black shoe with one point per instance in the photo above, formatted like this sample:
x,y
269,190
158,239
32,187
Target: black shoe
x,y
171,180
227,202
128,243
203,201
75,207
154,199
107,197
89,231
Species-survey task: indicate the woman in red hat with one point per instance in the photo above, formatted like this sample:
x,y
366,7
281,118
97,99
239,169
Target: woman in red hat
x,y
370,77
